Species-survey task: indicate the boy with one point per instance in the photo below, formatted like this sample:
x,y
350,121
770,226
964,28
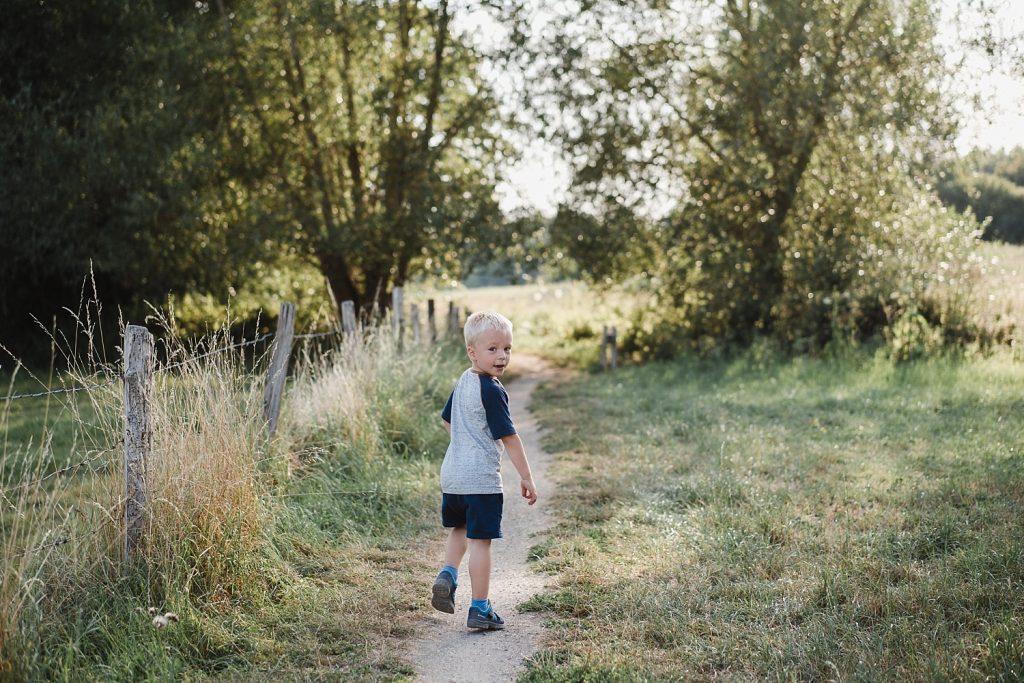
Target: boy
x,y
477,418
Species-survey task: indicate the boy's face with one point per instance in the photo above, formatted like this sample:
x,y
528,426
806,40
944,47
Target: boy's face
x,y
491,352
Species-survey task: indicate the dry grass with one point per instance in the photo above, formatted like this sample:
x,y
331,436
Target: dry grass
x,y
999,296
238,529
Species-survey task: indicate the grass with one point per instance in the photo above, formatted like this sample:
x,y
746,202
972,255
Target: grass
x,y
295,558
747,519
773,519
999,297
562,321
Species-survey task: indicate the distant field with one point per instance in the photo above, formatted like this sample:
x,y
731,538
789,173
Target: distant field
x,y
1000,294
562,320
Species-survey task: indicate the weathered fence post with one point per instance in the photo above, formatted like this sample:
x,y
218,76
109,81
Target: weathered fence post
x,y
609,352
431,327
414,322
348,317
453,318
397,314
615,347
278,372
138,431
330,295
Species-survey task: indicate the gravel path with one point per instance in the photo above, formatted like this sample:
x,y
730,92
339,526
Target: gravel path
x,y
445,649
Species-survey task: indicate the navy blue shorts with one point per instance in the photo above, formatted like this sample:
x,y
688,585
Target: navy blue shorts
x,y
480,513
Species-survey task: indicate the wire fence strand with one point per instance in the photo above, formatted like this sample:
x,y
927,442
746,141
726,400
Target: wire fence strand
x,y
64,470
239,345
67,390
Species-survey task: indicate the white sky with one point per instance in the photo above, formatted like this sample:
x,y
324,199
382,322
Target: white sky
x,y
540,179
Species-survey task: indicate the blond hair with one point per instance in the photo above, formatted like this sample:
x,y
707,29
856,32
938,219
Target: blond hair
x,y
480,322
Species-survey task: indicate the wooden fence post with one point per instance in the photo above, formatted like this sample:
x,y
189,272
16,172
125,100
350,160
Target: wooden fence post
x,y
615,347
330,295
414,322
609,352
397,314
348,317
452,320
278,372
431,327
138,431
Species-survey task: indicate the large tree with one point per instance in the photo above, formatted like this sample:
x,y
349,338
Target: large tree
x,y
174,146
374,135
782,141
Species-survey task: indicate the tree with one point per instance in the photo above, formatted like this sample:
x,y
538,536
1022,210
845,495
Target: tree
x,y
180,148
785,137
372,131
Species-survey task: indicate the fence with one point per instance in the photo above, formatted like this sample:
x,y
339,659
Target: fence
x,y
139,369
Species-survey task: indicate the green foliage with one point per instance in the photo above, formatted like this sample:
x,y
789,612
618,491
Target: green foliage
x,y
993,198
794,210
913,338
183,149
1008,164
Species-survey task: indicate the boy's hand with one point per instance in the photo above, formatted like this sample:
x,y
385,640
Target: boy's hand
x,y
529,490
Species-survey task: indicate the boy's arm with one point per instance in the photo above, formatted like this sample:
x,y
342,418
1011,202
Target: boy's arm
x,y
447,426
517,454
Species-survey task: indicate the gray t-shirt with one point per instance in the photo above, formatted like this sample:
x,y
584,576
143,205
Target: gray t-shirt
x,y
478,413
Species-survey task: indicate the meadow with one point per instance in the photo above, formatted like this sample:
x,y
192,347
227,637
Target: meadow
x,y
787,519
748,517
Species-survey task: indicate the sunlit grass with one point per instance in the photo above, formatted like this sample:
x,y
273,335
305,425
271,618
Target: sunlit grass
x,y
772,519
999,296
560,320
286,557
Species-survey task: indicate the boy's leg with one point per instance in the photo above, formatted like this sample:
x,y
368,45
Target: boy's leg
x,y
481,616
443,598
453,516
456,547
480,567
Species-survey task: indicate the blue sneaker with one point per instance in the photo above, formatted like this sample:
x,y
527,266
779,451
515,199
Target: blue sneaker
x,y
443,599
489,621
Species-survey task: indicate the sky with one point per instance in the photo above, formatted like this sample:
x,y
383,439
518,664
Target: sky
x,y
540,179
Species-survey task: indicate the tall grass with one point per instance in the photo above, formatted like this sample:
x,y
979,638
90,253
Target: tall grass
x,y
231,517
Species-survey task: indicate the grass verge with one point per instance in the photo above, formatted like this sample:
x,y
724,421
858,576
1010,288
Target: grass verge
x,y
760,519
294,558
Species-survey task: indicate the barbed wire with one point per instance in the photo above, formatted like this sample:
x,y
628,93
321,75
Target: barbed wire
x,y
91,387
63,470
317,335
239,345
64,540
337,492
67,390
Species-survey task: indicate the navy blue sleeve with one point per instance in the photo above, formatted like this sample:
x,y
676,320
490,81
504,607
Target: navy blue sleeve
x,y
446,414
495,400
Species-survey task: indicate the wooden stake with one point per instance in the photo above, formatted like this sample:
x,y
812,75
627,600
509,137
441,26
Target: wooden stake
x,y
138,431
348,317
278,372
414,322
397,314
431,325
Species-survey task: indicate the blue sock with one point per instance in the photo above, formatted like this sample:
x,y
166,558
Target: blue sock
x,y
454,571
482,605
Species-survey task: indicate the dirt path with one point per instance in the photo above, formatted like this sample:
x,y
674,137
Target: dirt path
x,y
446,650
